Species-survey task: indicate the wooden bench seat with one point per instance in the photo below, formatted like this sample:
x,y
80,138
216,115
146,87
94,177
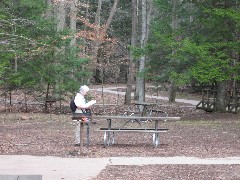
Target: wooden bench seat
x,y
109,139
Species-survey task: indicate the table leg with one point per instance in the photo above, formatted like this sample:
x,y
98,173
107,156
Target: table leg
x,y
156,136
105,139
144,111
81,136
109,123
108,135
155,139
156,125
88,133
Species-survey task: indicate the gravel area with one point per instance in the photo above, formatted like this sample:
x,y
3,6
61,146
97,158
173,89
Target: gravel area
x,y
197,134
173,172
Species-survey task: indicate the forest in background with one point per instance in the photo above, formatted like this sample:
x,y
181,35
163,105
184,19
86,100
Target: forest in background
x,y
50,47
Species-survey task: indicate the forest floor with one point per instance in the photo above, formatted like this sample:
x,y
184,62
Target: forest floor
x,y
198,134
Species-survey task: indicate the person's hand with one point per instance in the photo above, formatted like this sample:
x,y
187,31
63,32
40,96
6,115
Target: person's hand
x,y
84,119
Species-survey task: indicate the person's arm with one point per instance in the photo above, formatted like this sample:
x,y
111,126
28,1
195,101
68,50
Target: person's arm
x,y
87,105
90,103
80,103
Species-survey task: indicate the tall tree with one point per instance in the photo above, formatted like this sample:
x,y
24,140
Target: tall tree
x,y
98,33
173,87
146,17
73,20
219,44
131,68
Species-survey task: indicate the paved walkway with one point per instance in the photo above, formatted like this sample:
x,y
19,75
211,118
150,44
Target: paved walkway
x,y
56,168
52,168
114,91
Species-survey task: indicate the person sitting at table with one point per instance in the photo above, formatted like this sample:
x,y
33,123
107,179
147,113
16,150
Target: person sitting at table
x,y
82,107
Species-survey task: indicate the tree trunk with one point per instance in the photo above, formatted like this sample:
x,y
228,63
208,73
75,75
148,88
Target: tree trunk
x,y
49,13
172,92
131,70
96,42
73,28
140,84
61,15
101,32
173,88
73,23
112,12
16,63
220,99
85,28
221,88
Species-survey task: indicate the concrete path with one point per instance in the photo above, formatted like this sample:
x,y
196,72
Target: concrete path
x,y
52,168
172,160
56,168
114,91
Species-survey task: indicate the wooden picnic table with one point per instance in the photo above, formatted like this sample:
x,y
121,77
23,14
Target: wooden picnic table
x,y
144,107
145,104
109,131
147,108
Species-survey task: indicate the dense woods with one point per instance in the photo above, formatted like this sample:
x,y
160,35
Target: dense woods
x,y
50,47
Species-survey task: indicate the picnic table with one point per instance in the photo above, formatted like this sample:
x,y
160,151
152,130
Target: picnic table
x,y
109,130
145,107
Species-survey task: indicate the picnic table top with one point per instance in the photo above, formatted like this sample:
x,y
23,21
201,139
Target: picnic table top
x,y
146,103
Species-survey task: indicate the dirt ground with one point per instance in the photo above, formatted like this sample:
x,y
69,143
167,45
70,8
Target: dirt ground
x,y
198,133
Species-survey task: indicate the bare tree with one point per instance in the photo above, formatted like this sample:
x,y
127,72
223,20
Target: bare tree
x,y
73,22
131,69
221,87
146,17
60,14
100,32
173,87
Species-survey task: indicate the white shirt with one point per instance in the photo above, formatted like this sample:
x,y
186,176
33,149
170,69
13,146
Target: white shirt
x,y
79,100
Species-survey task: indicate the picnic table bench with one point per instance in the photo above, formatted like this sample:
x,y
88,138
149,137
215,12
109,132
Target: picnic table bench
x,y
109,131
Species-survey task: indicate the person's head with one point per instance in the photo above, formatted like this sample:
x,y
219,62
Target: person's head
x,y
84,90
